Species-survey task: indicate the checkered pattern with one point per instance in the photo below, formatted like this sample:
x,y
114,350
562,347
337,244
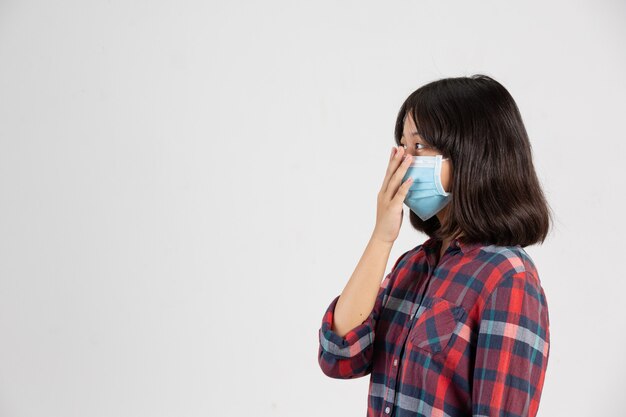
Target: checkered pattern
x,y
468,336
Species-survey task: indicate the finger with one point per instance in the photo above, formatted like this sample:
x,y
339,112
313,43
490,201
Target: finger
x,y
402,191
396,179
394,162
388,186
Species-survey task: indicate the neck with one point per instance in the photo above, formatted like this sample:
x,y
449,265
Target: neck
x,y
444,245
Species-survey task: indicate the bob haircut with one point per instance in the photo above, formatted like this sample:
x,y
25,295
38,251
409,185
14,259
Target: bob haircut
x,y
496,195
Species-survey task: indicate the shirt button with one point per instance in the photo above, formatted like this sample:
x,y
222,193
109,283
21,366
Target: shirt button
x,y
387,410
395,362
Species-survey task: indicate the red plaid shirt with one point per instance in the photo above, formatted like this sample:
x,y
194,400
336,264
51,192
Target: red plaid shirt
x,y
467,337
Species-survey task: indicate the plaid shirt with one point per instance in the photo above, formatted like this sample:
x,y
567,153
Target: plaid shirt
x,y
467,337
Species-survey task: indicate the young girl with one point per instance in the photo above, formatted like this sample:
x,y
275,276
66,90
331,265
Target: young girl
x,y
460,325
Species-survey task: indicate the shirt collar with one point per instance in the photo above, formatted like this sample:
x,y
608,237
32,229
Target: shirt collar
x,y
432,245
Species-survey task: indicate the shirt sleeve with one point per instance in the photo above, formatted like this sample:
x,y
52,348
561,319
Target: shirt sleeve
x,y
512,350
350,356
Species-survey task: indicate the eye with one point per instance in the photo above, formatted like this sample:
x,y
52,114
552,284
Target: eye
x,y
417,146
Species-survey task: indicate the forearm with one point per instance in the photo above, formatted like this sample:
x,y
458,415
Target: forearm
x,y
359,295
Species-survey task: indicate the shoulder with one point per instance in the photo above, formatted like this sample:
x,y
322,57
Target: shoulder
x,y
508,261
514,276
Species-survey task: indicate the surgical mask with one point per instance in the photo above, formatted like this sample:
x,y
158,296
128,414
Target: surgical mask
x,y
426,196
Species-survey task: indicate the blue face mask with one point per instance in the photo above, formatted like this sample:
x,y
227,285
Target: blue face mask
x,y
426,196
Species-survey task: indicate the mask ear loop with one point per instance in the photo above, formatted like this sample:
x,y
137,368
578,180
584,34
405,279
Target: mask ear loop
x,y
438,183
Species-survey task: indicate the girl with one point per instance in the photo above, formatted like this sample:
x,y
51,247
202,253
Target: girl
x,y
460,325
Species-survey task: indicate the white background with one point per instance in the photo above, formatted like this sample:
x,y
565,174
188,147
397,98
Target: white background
x,y
185,186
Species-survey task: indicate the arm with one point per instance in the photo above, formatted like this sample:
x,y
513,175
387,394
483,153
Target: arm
x,y
512,349
347,334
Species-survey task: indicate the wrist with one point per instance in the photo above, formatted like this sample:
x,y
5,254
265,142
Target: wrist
x,y
374,238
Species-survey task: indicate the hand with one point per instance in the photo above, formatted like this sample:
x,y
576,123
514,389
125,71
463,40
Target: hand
x,y
391,197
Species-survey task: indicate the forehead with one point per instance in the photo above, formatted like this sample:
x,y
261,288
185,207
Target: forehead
x,y
409,123
410,129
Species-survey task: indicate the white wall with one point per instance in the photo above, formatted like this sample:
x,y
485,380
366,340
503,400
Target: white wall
x,y
185,186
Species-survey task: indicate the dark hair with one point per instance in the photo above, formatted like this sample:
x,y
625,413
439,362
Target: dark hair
x,y
496,195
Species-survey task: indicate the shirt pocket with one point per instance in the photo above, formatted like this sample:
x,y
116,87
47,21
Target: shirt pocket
x,y
437,326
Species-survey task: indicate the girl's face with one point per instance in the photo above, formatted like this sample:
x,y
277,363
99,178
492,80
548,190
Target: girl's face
x,y
416,146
